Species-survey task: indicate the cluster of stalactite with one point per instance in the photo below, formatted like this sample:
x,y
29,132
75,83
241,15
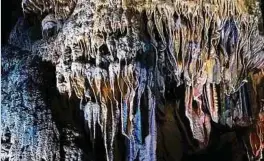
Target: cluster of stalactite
x,y
116,56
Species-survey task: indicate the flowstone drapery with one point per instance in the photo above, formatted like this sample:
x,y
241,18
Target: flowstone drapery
x,y
129,62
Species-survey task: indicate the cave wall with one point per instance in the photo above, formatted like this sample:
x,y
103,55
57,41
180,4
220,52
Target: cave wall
x,y
132,80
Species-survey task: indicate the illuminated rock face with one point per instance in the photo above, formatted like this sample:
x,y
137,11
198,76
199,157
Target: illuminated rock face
x,y
138,68
29,133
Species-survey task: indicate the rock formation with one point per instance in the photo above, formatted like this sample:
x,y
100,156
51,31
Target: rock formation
x,y
134,80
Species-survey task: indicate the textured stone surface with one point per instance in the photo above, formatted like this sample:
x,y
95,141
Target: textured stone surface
x,y
29,132
146,80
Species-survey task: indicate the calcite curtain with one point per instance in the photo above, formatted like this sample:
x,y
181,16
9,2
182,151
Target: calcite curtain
x,y
146,80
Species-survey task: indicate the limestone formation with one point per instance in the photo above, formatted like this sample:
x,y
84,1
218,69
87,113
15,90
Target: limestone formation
x,y
139,68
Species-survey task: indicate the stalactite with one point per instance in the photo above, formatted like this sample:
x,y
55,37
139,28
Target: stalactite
x,y
113,54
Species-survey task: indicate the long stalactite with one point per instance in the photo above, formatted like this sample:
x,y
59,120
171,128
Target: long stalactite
x,y
111,53
118,57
